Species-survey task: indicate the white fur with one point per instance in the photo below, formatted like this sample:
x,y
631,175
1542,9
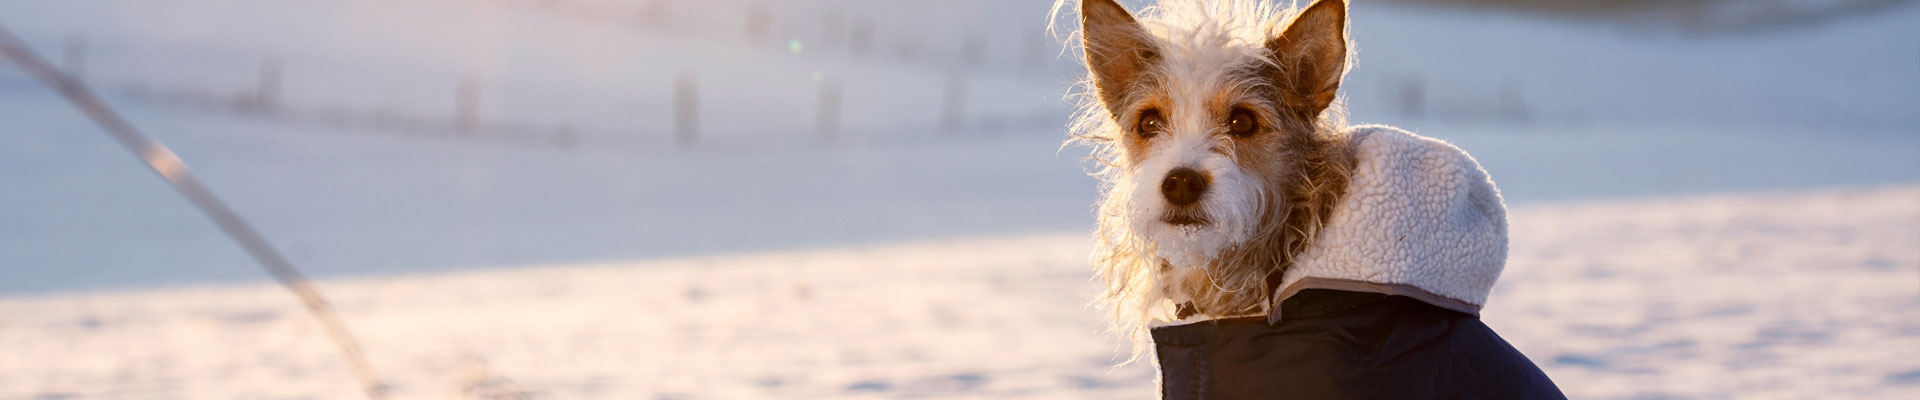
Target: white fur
x,y
1232,203
1201,53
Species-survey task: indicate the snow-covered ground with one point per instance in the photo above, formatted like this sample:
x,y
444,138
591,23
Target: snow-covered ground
x,y
1808,295
1695,216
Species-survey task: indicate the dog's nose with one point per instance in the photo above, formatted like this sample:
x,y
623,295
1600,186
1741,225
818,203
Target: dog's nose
x,y
1183,186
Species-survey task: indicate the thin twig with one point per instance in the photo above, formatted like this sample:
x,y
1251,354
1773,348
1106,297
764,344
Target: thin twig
x,y
170,167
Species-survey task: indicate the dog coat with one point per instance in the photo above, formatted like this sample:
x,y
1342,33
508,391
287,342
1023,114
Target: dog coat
x,y
1383,305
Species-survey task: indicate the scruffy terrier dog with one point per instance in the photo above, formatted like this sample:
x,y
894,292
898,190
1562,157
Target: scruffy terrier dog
x,y
1267,249
1218,134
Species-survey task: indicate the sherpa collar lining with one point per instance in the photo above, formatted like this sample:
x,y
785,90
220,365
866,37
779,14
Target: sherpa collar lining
x,y
1420,219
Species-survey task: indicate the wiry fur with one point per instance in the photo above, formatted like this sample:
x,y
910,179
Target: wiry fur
x,y
1272,191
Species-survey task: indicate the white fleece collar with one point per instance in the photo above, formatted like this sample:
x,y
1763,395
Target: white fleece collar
x,y
1420,218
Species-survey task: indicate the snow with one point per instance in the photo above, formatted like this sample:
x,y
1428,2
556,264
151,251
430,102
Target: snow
x,y
1804,295
1773,295
1694,216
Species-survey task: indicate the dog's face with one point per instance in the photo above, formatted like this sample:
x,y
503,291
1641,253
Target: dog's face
x,y
1209,123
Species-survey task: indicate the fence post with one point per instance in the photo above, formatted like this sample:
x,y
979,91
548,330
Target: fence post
x,y
973,51
466,103
834,27
829,109
759,22
860,37
953,115
1513,104
266,96
685,109
562,137
1413,96
657,14
1035,53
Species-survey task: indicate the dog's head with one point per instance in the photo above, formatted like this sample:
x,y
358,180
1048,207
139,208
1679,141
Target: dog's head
x,y
1215,123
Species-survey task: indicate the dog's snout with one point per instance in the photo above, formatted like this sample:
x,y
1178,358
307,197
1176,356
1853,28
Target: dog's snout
x,y
1183,186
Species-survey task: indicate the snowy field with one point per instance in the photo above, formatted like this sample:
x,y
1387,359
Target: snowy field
x,y
1810,295
1696,215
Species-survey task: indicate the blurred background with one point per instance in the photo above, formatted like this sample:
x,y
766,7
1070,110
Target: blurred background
x,y
866,198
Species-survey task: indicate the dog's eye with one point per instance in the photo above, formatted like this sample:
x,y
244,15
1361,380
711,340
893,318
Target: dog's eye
x,y
1149,124
1241,123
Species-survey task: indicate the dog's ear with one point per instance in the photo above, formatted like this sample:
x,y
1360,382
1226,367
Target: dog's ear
x,y
1117,48
1311,56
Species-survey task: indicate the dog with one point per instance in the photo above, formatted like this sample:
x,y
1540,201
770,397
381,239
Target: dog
x,y
1217,132
1263,246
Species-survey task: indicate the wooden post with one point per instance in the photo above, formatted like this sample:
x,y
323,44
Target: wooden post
x,y
973,51
1513,104
657,14
266,96
685,109
466,105
953,114
759,22
562,137
1413,96
829,109
834,26
860,38
1035,54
